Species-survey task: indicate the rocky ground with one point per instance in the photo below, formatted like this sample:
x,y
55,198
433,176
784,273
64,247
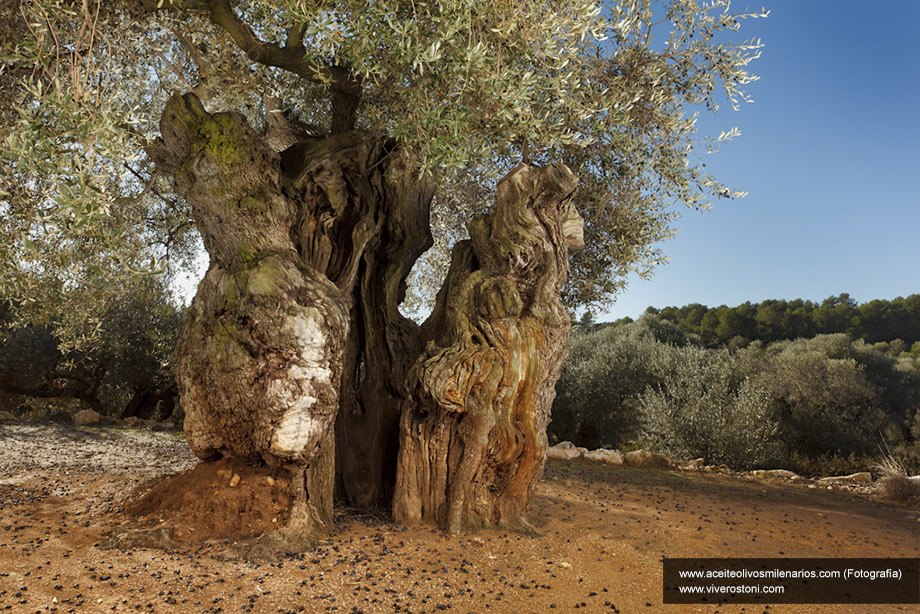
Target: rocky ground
x,y
64,489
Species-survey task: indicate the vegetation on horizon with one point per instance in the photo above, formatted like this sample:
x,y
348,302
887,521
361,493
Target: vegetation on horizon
x,y
792,403
895,321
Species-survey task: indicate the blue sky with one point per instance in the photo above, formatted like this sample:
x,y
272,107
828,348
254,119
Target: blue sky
x,y
830,156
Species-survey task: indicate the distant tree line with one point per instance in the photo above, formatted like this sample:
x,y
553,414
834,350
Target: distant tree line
x,y
788,403
775,320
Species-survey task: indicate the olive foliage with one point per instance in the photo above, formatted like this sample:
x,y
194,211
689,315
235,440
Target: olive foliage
x,y
610,88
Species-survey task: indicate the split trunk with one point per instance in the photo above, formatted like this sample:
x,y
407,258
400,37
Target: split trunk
x,y
294,351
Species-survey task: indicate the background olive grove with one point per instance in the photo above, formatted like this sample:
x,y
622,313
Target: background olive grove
x,y
821,403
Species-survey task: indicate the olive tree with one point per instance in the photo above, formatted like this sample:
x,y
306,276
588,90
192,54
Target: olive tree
x,y
320,149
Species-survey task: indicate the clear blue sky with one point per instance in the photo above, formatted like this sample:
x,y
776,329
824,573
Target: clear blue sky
x,y
830,156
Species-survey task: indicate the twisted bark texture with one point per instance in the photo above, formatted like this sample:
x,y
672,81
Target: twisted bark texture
x,y
473,429
294,351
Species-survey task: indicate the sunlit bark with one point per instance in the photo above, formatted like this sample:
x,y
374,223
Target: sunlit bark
x,y
473,431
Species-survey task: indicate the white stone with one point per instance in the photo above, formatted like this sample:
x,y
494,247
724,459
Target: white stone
x,y
778,473
611,457
696,463
643,459
564,450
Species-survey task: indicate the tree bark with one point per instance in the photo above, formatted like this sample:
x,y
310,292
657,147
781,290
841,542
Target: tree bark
x,y
294,351
298,314
383,343
473,427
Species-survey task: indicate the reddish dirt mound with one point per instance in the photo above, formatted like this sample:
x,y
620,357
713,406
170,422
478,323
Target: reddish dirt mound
x,y
217,500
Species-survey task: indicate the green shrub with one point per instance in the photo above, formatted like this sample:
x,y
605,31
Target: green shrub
x,y
606,371
825,399
704,408
811,405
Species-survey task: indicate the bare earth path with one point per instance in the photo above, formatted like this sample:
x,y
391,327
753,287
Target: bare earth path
x,y
606,531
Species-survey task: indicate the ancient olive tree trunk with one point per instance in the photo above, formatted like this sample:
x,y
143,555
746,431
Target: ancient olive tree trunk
x,y
297,249
473,428
294,352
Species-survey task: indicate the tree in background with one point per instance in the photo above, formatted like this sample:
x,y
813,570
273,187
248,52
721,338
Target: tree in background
x,y
607,370
124,369
308,142
703,405
649,383
775,320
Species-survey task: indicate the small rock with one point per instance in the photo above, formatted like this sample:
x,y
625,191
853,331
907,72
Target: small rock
x,y
611,457
862,477
86,417
564,450
696,463
234,480
479,541
270,480
780,473
565,565
643,459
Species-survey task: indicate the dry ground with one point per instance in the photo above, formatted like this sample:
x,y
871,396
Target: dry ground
x,y
606,530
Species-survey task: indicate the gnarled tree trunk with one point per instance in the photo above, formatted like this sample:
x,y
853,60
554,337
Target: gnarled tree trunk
x,y
309,252
473,429
294,351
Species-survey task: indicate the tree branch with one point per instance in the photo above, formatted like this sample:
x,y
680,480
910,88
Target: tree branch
x,y
269,54
289,58
295,35
345,108
344,85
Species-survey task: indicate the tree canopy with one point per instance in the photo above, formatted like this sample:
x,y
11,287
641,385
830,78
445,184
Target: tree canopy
x,y
469,87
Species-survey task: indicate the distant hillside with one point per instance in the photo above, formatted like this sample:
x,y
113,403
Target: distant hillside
x,y
876,321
